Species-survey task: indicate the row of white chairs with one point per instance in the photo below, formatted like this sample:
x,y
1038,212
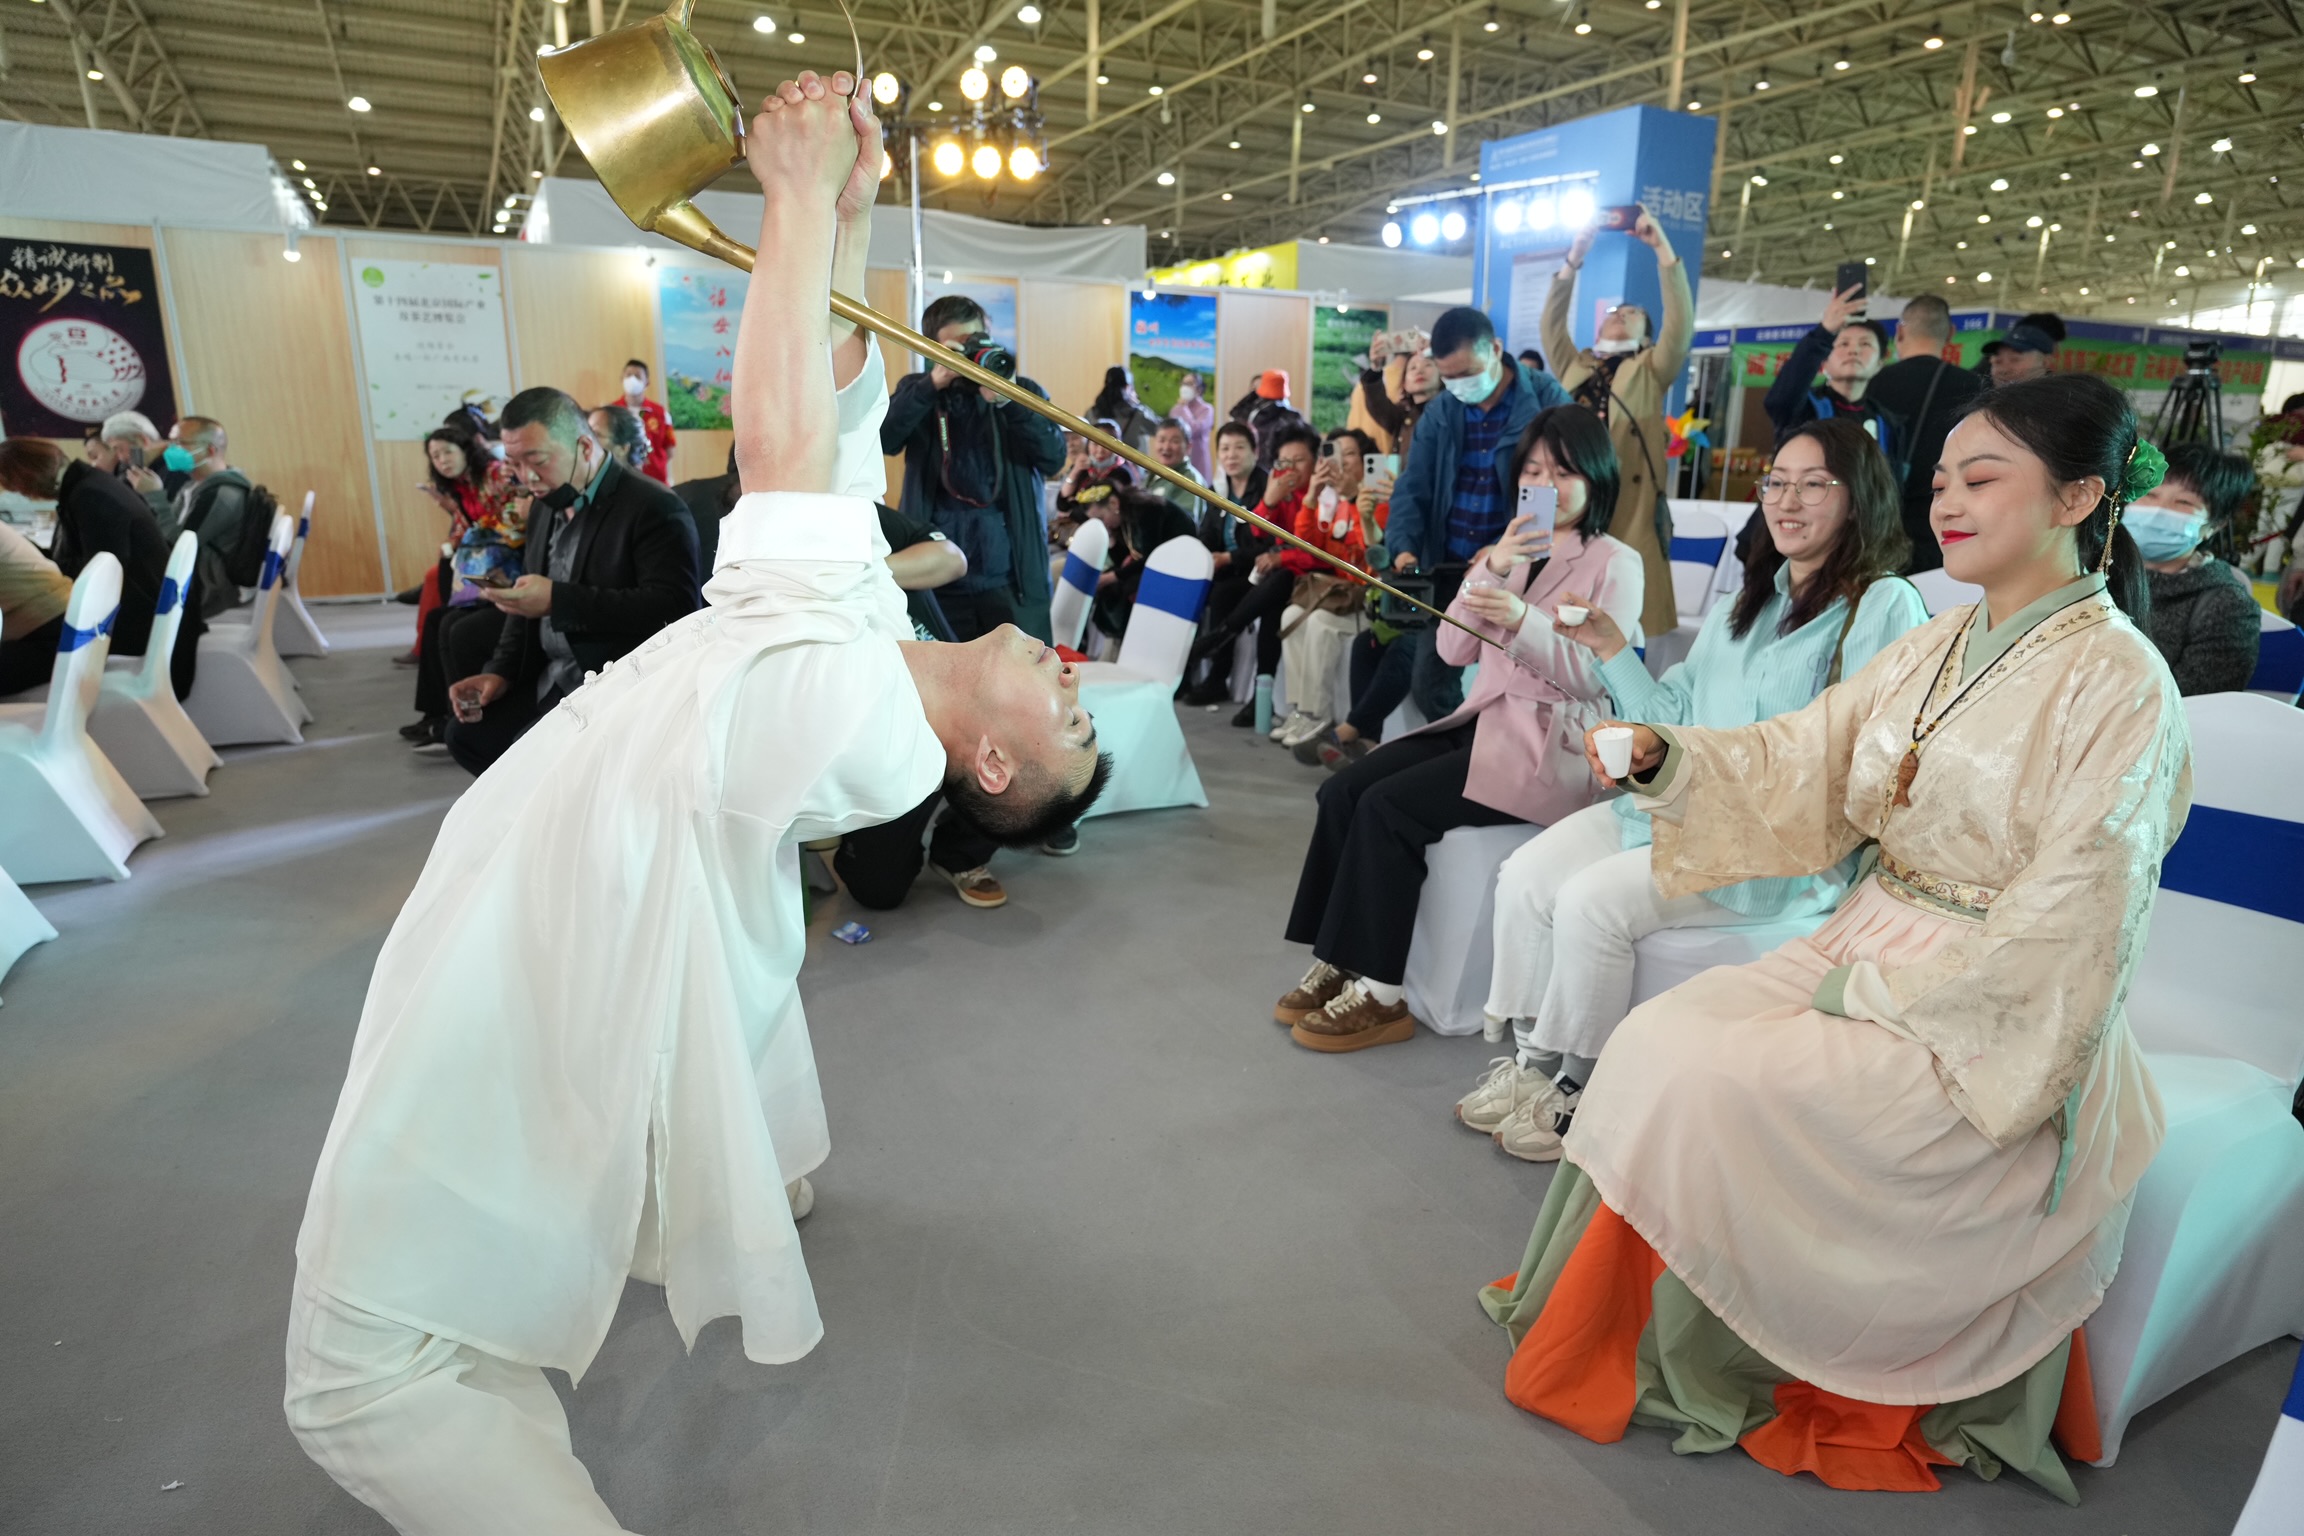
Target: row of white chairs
x,y
80,755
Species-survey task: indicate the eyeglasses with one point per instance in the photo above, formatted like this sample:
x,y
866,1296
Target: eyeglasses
x,y
1811,491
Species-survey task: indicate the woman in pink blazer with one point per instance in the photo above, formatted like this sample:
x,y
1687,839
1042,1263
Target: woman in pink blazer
x,y
1513,753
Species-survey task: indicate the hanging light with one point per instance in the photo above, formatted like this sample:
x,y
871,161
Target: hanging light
x,y
2145,92
974,83
1424,229
886,88
1391,233
764,24
289,252
1935,37
1543,213
986,53
359,104
948,157
1028,14
986,161
1504,217
1577,207
1492,24
1452,225
1166,178
1023,162
298,164
1015,82
1424,54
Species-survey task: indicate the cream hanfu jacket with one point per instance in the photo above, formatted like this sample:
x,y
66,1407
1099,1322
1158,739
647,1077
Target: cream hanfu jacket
x,y
582,1053
1534,704
2059,784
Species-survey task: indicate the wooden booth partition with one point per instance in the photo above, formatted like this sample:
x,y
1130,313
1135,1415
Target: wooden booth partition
x,y
266,348
1258,331
1071,333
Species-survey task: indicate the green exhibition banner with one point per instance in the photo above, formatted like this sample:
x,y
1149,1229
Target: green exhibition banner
x,y
1340,338
2132,365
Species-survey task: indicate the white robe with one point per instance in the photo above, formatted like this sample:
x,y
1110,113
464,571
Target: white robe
x,y
590,996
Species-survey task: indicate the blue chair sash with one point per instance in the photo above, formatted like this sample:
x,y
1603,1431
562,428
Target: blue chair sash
x,y
271,575
73,639
2279,662
2256,862
1078,573
1179,595
1698,551
170,595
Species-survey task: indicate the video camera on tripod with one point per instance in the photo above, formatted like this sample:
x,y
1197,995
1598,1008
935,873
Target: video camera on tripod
x,y
2193,411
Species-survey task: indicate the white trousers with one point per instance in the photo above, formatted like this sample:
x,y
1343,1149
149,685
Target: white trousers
x,y
438,1437
1311,657
1570,904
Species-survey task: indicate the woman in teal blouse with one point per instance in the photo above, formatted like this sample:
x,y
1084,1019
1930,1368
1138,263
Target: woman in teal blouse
x,y
1817,603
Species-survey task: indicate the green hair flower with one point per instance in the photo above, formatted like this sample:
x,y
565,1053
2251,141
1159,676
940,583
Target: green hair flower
x,y
2147,467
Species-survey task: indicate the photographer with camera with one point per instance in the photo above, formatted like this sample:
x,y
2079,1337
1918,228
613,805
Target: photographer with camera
x,y
973,467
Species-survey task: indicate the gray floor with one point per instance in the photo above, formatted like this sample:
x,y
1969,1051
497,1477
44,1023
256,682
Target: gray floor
x,y
1098,1250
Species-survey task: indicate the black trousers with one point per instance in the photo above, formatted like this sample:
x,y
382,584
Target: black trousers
x,y
1236,603
879,864
476,744
30,659
976,613
457,642
1364,873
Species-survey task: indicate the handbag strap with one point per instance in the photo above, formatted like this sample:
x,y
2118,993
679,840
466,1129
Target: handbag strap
x,y
1920,422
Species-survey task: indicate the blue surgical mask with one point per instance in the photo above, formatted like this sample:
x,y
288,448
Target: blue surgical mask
x,y
2163,533
177,457
1476,387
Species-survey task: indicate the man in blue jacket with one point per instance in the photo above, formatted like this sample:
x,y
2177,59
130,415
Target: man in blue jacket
x,y
1452,499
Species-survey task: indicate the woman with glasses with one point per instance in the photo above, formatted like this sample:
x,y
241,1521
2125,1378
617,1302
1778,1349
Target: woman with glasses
x,y
1819,601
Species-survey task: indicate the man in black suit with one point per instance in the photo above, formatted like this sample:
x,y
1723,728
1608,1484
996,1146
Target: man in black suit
x,y
610,560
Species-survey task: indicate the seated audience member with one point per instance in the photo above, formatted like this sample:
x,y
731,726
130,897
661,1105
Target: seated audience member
x,y
1235,546
878,864
1513,753
710,498
2203,616
1264,410
487,527
2028,351
1926,389
96,513
1830,374
1092,473
1271,582
1198,418
610,559
33,597
655,425
217,503
1171,448
1847,1206
1146,522
1116,403
1325,608
619,431
1819,601
131,447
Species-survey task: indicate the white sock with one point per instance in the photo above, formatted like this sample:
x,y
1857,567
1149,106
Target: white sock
x,y
1383,991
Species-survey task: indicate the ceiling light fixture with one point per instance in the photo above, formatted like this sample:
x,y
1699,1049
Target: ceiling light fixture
x,y
1166,178
1375,117
763,23
2146,92
358,104
1835,159
2055,111
1934,39
986,162
2204,198
1390,234
2220,147
1028,14
1452,225
1424,54
535,114
987,54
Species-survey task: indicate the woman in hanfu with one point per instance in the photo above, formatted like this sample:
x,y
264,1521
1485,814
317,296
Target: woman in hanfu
x,y
1849,1205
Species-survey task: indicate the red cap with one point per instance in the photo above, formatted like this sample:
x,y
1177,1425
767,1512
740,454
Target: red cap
x,y
1273,384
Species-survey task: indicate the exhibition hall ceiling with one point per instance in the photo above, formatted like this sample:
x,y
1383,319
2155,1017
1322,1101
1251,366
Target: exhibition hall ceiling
x,y
2147,142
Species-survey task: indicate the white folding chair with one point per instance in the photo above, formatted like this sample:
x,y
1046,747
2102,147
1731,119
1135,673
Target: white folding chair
x,y
1701,540
244,692
1941,594
2214,1263
1076,584
1670,956
1452,951
2280,1481
1133,698
293,632
21,925
65,812
138,721
2279,670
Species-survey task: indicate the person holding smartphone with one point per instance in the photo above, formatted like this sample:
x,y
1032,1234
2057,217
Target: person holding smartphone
x,y
1513,753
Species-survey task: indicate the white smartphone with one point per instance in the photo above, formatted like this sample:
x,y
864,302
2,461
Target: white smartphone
x,y
1541,502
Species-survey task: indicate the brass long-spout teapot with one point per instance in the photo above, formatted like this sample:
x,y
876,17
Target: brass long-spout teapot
x,y
659,119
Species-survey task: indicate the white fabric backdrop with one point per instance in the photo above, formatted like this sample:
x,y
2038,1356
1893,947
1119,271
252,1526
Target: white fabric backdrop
x,y
102,177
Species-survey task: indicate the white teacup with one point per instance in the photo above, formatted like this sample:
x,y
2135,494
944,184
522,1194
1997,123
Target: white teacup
x,y
1614,743
1571,615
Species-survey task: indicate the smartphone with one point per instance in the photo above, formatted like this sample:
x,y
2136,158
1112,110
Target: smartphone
x,y
1541,502
1328,449
1856,275
492,580
136,457
1621,217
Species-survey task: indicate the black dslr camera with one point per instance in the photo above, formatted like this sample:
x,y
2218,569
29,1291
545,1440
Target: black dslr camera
x,y
988,355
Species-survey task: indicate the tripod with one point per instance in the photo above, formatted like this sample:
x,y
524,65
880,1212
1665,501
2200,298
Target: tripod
x,y
2193,411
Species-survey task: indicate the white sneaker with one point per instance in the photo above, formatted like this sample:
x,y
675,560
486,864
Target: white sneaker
x,y
1295,720
802,1194
1313,725
1533,1130
1504,1087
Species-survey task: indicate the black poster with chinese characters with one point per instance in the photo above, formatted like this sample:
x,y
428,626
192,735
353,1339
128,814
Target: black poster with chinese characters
x,y
80,338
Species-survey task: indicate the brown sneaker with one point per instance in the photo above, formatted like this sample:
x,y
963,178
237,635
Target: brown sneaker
x,y
976,886
1318,988
1353,1021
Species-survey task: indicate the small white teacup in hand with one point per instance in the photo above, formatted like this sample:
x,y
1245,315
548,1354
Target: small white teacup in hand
x,y
1614,744
1572,615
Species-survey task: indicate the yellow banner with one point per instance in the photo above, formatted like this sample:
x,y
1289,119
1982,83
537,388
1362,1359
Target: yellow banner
x,y
1270,266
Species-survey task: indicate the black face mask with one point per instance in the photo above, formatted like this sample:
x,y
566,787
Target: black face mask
x,y
561,498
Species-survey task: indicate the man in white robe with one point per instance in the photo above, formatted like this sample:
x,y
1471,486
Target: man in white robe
x,y
582,1055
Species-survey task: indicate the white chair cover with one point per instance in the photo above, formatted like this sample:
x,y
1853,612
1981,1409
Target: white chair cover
x,y
1133,698
1703,539
244,692
2214,1264
1941,593
2279,658
138,721
1666,958
1452,953
65,812
21,925
1084,561
293,632
2273,1507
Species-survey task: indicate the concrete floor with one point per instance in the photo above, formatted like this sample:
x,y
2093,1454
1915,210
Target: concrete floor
x,y
1097,1249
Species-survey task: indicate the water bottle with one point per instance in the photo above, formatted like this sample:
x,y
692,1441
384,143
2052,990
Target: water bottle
x,y
1263,703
